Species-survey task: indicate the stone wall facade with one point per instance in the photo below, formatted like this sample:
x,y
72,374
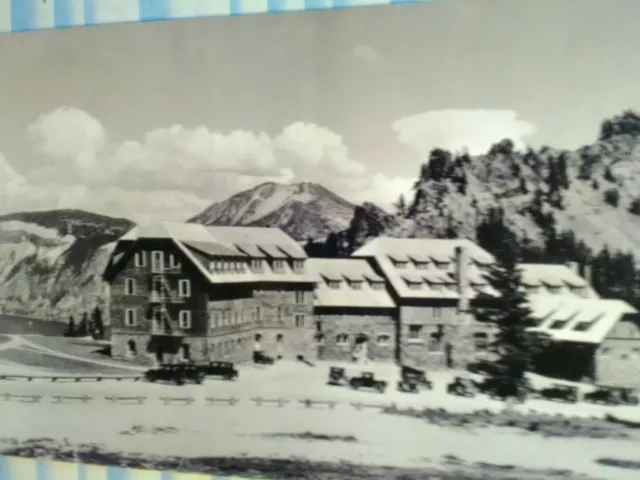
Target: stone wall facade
x,y
284,320
340,329
438,337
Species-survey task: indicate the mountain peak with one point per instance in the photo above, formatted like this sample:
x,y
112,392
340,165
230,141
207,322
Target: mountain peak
x,y
303,210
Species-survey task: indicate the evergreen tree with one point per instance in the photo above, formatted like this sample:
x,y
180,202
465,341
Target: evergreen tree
x,y
401,206
71,327
97,325
513,347
83,326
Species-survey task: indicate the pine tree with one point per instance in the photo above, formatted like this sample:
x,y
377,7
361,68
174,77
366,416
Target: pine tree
x,y
71,327
513,347
401,206
83,325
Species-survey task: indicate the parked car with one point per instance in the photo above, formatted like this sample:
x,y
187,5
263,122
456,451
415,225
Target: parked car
x,y
413,379
338,376
559,391
262,359
178,374
500,389
463,387
367,380
608,395
225,370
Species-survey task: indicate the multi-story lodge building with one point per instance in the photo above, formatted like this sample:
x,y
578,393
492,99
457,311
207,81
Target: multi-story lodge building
x,y
432,282
354,313
195,292
209,293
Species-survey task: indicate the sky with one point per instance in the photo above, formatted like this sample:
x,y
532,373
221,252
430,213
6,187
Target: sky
x,y
159,120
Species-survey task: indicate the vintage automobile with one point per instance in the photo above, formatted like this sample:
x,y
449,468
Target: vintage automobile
x,y
338,376
463,387
559,391
500,389
413,379
367,380
178,374
262,359
608,395
225,370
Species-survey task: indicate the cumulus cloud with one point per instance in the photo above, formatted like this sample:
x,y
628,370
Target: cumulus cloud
x,y
69,133
176,171
456,130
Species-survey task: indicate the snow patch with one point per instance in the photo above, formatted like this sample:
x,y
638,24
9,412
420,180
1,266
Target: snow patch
x,y
32,228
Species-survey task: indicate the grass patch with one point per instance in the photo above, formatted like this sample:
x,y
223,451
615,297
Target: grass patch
x,y
314,436
545,425
285,469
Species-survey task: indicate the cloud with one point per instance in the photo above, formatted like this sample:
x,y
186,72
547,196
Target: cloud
x,y
176,170
367,53
69,133
473,130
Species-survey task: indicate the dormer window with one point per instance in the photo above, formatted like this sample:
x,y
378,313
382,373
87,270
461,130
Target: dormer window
x,y
422,265
554,290
256,264
377,285
400,265
298,266
414,285
580,291
442,265
356,284
278,265
533,288
333,284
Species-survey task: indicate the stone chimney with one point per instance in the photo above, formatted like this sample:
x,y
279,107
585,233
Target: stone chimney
x,y
574,267
462,278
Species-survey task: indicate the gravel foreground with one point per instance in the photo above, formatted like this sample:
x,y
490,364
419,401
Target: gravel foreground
x,y
448,468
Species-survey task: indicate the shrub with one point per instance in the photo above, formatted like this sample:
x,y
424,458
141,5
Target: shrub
x,y
612,197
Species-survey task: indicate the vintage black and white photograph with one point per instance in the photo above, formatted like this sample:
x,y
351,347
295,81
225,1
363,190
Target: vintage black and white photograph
x,y
392,242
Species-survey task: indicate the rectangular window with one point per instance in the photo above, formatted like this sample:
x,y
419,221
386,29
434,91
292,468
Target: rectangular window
x,y
258,314
299,297
377,285
256,264
130,317
298,266
184,319
356,285
299,320
157,261
435,342
129,286
184,288
400,265
414,332
141,259
281,314
383,340
174,263
333,284
278,265
437,313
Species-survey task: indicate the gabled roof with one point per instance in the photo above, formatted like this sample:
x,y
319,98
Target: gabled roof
x,y
346,295
588,320
551,275
241,242
424,250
